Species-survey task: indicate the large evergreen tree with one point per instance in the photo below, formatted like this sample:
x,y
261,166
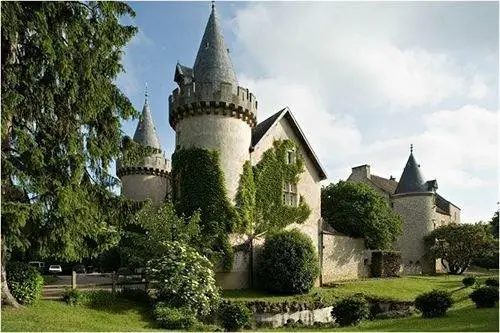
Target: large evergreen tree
x,y
61,115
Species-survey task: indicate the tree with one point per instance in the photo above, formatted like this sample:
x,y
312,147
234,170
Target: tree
x,y
457,245
356,210
494,224
61,114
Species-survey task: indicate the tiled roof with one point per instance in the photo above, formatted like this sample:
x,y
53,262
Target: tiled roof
x,y
145,133
387,185
262,127
412,179
213,63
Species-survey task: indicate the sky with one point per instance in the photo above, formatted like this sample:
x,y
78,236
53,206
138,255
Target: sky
x,y
363,79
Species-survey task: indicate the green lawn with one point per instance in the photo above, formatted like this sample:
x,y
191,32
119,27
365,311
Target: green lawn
x,y
58,316
127,316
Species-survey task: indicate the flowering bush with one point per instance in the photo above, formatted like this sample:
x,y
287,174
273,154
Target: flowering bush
x,y
185,279
25,282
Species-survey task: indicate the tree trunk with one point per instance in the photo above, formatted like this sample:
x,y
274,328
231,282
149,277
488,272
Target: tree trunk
x,y
7,297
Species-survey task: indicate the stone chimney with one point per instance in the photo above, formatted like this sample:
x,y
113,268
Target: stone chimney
x,y
361,172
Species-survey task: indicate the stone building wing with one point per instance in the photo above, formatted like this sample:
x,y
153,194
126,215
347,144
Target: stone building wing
x,y
213,64
145,133
264,127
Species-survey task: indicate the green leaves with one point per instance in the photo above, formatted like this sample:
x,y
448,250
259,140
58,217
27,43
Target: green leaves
x,y
358,211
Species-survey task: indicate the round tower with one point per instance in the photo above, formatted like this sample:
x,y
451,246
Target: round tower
x,y
149,178
414,200
209,110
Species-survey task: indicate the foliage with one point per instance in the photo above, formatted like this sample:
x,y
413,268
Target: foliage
x,y
25,282
135,295
385,264
394,314
145,236
491,282
489,260
235,316
434,303
469,281
494,224
186,278
288,263
355,209
485,297
350,311
245,200
199,186
100,299
270,175
174,318
73,296
458,244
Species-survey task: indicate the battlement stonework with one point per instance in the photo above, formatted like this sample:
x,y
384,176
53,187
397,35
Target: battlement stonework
x,y
155,165
208,98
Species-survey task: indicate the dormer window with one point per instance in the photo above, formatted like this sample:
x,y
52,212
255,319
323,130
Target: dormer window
x,y
290,196
290,157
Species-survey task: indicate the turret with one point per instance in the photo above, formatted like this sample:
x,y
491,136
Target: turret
x,y
414,200
209,110
147,179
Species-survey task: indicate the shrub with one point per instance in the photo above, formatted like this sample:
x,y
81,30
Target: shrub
x,y
235,316
350,311
394,314
469,281
73,296
100,299
25,282
288,263
434,303
491,282
135,295
485,297
186,279
174,318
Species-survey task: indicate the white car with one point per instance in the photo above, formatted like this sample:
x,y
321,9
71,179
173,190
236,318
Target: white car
x,y
55,269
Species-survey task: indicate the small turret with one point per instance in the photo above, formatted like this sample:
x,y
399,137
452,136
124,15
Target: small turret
x,y
412,179
147,179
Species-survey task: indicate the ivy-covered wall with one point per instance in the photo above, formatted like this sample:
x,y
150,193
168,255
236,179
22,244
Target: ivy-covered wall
x,y
198,184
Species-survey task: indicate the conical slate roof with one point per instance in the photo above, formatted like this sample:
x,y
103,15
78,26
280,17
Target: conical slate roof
x,y
412,179
145,133
212,62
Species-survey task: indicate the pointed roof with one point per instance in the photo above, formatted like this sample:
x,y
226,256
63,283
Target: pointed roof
x,y
265,126
412,179
212,62
145,133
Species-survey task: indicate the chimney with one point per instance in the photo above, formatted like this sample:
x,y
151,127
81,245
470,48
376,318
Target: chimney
x,y
362,171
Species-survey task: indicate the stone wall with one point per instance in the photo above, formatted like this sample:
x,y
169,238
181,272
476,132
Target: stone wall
x,y
417,211
344,258
140,187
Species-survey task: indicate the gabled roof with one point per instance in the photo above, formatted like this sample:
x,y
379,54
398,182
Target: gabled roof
x,y
412,179
212,62
182,71
145,133
263,128
387,185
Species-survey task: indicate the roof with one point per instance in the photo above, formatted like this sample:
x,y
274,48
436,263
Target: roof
x,y
181,71
145,133
263,128
387,185
412,179
212,62
442,205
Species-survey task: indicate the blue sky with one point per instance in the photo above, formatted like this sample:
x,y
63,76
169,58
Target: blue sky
x,y
364,79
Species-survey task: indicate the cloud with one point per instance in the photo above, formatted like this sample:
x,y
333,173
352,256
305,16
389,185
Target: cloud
x,y
478,89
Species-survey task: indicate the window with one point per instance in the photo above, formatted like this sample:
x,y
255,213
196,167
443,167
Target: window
x,y
290,157
290,194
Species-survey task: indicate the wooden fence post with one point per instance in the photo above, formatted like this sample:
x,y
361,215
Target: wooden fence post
x,y
73,280
113,282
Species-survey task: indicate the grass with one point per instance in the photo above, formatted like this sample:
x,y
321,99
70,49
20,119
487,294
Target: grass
x,y
58,316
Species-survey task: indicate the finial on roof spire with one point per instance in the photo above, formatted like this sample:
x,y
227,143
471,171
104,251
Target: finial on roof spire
x,y
411,148
213,4
146,94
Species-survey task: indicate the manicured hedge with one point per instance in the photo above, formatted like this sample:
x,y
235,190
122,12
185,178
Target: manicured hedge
x,y
25,282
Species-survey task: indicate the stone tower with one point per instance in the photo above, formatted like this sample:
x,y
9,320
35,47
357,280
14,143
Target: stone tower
x,y
209,110
414,199
149,178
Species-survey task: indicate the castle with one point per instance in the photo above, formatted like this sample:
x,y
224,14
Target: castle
x,y
209,110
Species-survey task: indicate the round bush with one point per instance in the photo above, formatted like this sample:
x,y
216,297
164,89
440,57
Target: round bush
x,y
174,318
185,279
235,316
491,282
25,282
288,263
73,296
469,281
485,297
350,311
434,303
